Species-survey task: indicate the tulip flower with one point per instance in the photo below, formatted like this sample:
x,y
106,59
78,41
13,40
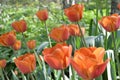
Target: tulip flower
x,y
20,26
42,14
8,39
110,23
58,57
60,33
88,62
26,63
31,44
2,63
74,13
17,45
74,30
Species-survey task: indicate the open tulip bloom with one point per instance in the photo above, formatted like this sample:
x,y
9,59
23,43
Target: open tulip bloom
x,y
58,57
110,23
88,62
26,63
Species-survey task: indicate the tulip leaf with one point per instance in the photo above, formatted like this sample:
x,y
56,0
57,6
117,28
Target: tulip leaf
x,y
99,40
111,70
117,38
58,75
40,75
42,45
14,76
90,40
94,40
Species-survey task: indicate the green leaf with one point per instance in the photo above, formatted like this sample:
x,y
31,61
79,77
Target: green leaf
x,y
14,76
42,46
111,68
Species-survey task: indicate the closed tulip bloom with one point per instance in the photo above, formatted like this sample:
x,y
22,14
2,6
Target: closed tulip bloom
x,y
110,23
74,30
31,44
58,57
17,45
8,39
75,12
2,63
60,34
26,63
42,14
20,26
88,62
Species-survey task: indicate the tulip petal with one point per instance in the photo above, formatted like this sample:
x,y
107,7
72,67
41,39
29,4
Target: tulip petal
x,y
79,68
53,62
99,53
92,49
23,66
86,52
99,69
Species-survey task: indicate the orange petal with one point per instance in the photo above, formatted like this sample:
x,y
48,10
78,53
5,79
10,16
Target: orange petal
x,y
86,52
92,48
23,66
99,69
53,62
99,53
79,68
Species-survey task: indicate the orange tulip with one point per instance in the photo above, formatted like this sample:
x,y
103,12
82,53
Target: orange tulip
x,y
42,14
20,26
26,63
74,30
8,39
58,57
88,62
31,44
60,33
2,63
17,45
110,23
75,12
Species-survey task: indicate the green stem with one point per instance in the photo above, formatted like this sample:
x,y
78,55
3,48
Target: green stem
x,y
106,40
63,74
1,72
23,76
74,40
116,54
97,3
32,78
6,75
72,76
48,35
107,7
82,36
24,40
38,59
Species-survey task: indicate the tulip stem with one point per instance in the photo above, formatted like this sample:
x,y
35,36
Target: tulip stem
x,y
6,75
32,78
23,76
25,42
38,59
63,74
1,73
116,54
82,36
48,34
